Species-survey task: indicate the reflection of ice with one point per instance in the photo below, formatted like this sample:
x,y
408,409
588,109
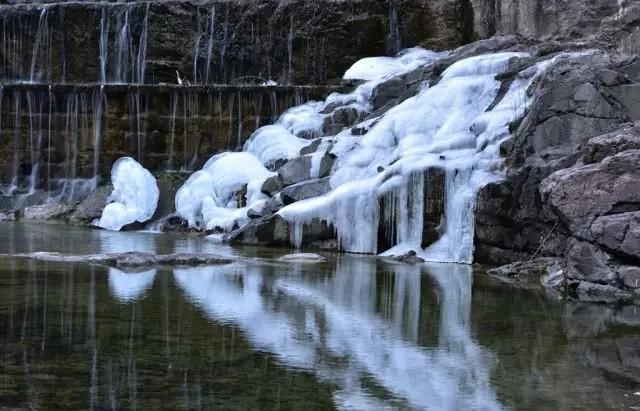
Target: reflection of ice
x,y
119,242
220,294
130,286
333,325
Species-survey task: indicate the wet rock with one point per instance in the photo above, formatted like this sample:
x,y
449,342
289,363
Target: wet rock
x,y
587,262
271,206
340,119
295,171
600,293
46,212
387,91
311,148
305,190
527,272
600,147
410,258
272,185
274,230
191,259
630,276
307,258
326,164
91,207
8,215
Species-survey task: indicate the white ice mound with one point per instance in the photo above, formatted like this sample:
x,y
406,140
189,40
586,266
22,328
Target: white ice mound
x,y
273,143
375,68
134,197
210,197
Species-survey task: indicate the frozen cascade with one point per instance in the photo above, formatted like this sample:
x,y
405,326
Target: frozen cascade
x,y
454,126
446,126
134,197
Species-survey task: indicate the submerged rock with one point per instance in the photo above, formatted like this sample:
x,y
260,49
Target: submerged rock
x,y
128,260
302,258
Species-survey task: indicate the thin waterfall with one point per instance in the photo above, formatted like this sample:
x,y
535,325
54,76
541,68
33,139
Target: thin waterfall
x,y
99,103
212,21
123,45
40,48
142,48
16,143
104,43
196,49
394,27
35,106
174,100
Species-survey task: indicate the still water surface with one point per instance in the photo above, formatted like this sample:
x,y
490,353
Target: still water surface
x,y
350,333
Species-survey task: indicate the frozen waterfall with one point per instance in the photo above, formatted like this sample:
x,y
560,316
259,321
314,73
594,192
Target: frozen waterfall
x,y
454,125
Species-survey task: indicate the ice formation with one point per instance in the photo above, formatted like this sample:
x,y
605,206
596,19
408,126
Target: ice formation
x,y
134,197
209,198
447,126
454,125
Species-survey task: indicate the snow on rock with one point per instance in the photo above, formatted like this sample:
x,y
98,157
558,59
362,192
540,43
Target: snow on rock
x,y
273,143
376,68
134,197
210,198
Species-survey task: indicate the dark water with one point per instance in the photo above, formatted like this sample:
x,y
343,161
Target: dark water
x,y
351,333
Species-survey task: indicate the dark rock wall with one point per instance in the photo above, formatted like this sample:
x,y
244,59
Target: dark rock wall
x,y
291,42
163,127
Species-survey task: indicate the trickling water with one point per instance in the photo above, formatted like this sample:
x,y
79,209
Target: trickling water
x,y
212,21
39,60
99,103
104,43
175,98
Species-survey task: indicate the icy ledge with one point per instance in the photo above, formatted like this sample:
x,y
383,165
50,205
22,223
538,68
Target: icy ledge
x,y
134,197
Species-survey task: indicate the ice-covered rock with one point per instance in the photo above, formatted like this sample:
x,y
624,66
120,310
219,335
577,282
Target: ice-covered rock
x,y
134,197
208,199
274,143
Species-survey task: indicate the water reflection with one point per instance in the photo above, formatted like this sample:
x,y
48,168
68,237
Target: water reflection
x,y
127,287
332,325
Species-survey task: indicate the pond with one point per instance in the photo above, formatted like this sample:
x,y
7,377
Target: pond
x,y
353,332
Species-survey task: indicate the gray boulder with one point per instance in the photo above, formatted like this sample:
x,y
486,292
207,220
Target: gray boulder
x,y
600,147
91,207
305,189
295,170
584,193
272,185
45,212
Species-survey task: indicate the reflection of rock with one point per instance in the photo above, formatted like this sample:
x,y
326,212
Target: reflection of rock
x,y
130,286
619,357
